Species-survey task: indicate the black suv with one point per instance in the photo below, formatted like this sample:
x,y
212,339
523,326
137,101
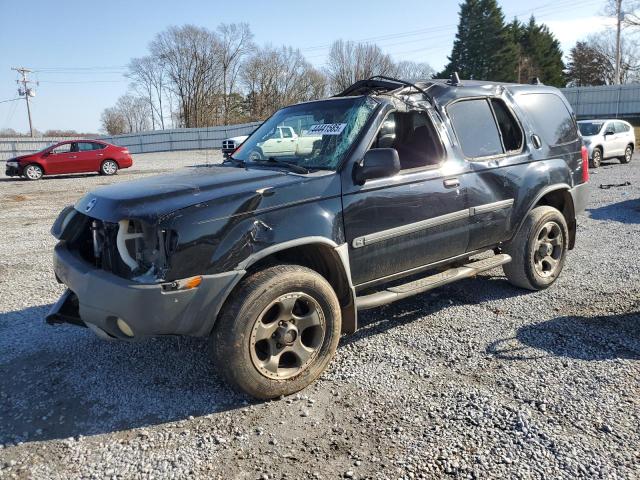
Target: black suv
x,y
387,190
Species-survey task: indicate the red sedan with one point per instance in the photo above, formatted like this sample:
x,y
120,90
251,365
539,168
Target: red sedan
x,y
74,156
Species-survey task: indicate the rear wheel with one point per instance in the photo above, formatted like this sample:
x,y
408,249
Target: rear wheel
x,y
278,332
538,250
33,172
108,167
628,154
596,158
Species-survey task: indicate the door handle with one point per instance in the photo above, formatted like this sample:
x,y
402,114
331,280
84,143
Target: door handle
x,y
101,154
73,157
451,183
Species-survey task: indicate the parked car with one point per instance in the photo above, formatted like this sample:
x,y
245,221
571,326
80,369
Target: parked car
x,y
230,144
272,258
284,141
606,139
72,156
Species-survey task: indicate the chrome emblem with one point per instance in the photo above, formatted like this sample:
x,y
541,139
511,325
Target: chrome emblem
x,y
90,205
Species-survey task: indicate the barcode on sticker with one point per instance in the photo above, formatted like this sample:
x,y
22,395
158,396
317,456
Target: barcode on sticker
x,y
327,129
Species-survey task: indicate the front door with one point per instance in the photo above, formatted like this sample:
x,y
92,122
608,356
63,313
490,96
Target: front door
x,y
396,225
60,158
87,160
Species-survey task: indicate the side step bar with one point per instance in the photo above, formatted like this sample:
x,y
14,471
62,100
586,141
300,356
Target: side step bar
x,y
428,283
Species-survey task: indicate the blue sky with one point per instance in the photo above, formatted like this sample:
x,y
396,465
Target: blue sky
x,y
81,47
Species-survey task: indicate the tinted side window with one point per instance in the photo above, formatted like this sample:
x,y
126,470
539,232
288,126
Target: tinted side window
x,y
509,128
98,146
475,128
551,118
85,146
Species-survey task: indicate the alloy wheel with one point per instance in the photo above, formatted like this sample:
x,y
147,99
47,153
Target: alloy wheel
x,y
628,153
548,249
109,167
287,336
33,172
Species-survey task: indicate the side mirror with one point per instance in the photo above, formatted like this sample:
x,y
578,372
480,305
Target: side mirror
x,y
377,163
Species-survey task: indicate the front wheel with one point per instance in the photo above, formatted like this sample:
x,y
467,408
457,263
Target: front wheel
x,y
628,154
538,250
33,172
108,167
256,155
278,331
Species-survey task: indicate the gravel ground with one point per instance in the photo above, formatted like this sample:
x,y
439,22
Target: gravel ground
x,y
474,380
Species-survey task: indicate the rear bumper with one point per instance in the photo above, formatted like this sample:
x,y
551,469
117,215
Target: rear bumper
x,y
580,195
101,298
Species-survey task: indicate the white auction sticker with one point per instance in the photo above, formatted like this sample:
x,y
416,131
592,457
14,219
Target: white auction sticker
x,y
327,129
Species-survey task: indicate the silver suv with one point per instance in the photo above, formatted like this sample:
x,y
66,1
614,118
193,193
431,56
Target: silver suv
x,y
607,139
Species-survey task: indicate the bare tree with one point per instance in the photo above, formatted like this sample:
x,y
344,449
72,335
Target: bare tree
x,y
235,43
190,56
413,71
350,61
274,78
113,121
149,79
604,46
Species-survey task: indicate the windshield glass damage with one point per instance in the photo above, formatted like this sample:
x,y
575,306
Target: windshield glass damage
x,y
310,135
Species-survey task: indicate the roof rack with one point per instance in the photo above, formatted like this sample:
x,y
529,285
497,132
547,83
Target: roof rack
x,y
454,80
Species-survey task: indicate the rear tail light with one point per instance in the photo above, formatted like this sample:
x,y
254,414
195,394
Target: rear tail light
x,y
585,164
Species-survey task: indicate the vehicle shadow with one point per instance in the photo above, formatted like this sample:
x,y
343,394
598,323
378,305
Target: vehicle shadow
x,y
604,337
62,381
627,211
47,178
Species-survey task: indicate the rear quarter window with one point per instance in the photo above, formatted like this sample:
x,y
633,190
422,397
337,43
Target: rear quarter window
x,y
551,118
475,128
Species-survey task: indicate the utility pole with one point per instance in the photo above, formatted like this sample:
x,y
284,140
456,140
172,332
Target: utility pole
x,y
25,91
619,17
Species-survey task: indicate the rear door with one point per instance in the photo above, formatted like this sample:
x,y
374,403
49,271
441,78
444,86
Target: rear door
x,y
622,137
491,140
87,157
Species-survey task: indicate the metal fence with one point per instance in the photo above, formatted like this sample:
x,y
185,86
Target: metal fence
x,y
143,142
609,101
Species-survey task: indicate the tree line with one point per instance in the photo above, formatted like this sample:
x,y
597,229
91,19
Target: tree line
x,y
196,77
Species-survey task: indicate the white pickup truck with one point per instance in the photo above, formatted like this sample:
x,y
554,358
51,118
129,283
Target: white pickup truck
x,y
284,141
229,145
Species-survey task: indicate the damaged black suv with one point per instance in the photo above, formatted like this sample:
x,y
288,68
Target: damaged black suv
x,y
333,206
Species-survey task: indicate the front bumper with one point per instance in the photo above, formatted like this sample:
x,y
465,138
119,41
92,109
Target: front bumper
x,y
100,298
13,171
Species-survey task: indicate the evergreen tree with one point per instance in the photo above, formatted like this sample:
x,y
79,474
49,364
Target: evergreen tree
x,y
540,55
483,48
585,66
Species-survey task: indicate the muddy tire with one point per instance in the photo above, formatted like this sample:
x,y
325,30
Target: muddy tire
x,y
278,331
539,250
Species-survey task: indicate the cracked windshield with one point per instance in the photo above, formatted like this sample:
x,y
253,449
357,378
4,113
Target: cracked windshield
x,y
311,135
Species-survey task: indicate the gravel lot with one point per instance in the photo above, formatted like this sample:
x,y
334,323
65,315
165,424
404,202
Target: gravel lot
x,y
474,380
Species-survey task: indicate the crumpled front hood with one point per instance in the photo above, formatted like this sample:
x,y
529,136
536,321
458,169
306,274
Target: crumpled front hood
x,y
152,198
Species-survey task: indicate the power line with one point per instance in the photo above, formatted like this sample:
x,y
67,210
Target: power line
x,y
10,100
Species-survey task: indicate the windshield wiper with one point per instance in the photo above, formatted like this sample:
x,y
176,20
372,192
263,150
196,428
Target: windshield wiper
x,y
291,166
236,161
